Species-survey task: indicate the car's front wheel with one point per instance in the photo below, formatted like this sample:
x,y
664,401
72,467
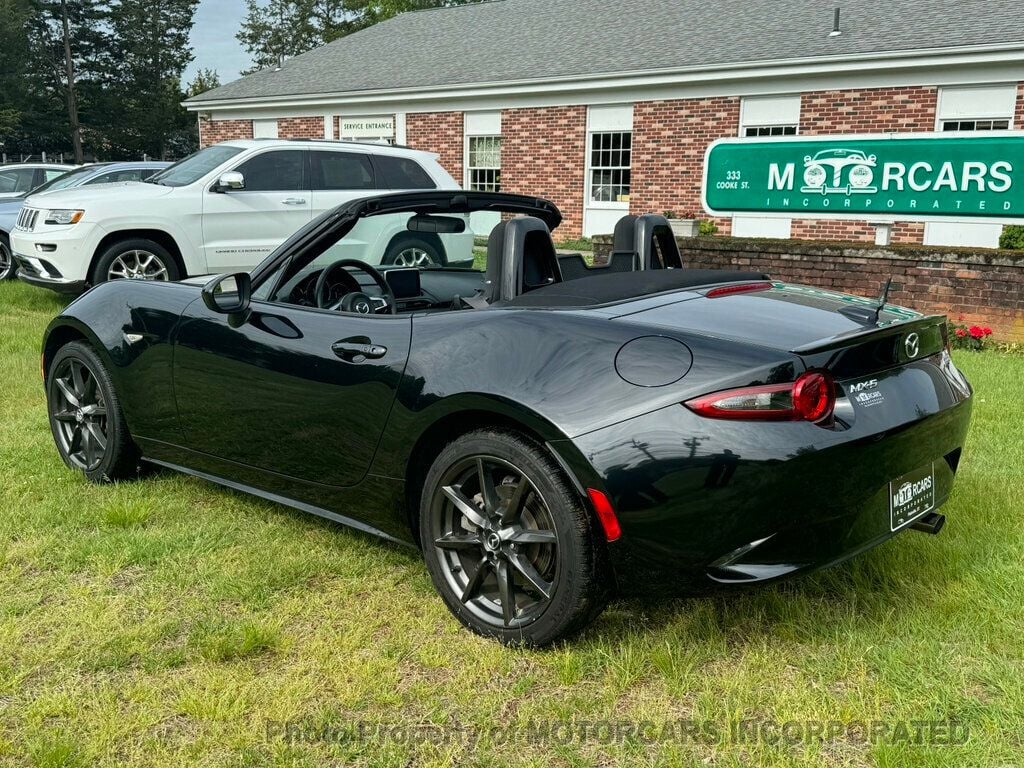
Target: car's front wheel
x,y
86,418
135,259
7,266
508,542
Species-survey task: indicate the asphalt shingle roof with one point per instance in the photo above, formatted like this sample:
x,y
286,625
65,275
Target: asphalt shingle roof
x,y
510,40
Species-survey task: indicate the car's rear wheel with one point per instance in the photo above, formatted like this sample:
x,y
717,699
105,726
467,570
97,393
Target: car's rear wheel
x,y
7,266
508,542
86,418
135,259
413,251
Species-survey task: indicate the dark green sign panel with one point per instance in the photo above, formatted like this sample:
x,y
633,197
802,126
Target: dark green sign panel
x,y
908,177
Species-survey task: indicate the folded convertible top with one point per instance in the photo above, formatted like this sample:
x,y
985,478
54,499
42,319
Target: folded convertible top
x,y
598,289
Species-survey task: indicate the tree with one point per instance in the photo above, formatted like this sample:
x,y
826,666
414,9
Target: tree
x,y
276,30
149,50
66,45
205,80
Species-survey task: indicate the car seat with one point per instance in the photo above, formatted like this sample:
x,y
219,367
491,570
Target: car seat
x,y
520,258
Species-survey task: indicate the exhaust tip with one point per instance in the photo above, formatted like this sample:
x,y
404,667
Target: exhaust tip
x,y
931,523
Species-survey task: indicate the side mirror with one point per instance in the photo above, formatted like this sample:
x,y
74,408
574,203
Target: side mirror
x,y
232,180
228,294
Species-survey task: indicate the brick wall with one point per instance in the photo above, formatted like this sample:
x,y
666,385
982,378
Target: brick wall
x,y
543,154
1018,119
985,286
300,127
669,142
439,132
876,110
216,131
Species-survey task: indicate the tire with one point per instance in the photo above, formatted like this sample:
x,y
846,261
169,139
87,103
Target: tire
x,y
136,258
8,269
547,545
86,419
412,251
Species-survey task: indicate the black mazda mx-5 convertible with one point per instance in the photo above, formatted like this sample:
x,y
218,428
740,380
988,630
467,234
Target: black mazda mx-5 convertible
x,y
541,427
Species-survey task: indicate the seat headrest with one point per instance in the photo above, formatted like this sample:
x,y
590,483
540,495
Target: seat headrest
x,y
624,239
656,243
495,259
520,257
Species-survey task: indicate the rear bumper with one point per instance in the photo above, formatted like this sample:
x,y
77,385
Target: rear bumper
x,y
716,502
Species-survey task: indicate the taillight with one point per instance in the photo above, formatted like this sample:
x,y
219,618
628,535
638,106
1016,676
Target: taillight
x,y
812,398
732,290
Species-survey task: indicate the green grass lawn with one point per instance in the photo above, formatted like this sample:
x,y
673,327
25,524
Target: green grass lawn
x,y
166,622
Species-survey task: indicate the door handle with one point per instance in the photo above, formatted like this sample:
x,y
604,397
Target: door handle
x,y
294,201
356,352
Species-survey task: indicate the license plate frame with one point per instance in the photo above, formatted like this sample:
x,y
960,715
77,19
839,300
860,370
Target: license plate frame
x,y
911,496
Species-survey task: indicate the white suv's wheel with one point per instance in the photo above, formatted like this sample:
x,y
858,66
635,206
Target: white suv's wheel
x,y
135,259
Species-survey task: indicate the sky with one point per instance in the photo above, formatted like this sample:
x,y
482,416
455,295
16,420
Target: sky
x,y
213,40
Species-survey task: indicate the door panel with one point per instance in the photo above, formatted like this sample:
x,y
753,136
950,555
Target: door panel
x,y
242,227
273,394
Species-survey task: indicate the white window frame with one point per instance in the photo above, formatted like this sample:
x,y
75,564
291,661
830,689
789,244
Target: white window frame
x,y
603,120
480,125
987,103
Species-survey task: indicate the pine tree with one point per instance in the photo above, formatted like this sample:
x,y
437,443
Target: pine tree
x,y
148,52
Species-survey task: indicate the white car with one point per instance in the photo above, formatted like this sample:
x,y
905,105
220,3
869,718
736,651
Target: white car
x,y
224,209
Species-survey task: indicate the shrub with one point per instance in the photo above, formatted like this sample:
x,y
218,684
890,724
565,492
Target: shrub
x,y
973,337
1012,238
708,228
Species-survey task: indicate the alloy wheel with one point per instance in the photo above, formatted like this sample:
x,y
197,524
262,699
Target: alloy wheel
x,y
137,265
495,540
413,257
6,261
80,414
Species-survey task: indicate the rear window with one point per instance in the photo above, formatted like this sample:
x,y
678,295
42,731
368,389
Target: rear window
x,y
402,173
341,170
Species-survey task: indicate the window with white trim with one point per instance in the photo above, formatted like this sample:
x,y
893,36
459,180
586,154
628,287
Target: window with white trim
x,y
484,163
611,162
977,108
770,116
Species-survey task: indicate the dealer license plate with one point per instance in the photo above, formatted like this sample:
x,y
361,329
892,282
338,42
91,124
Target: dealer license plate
x,y
911,496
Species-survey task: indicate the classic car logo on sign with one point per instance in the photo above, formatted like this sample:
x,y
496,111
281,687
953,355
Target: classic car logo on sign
x,y
913,345
858,179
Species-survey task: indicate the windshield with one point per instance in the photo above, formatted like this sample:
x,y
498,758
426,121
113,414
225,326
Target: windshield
x,y
69,179
195,166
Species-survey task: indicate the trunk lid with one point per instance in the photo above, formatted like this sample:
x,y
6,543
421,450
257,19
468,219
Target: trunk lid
x,y
805,321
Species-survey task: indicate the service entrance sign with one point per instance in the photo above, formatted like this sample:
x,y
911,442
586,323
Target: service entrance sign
x,y
908,177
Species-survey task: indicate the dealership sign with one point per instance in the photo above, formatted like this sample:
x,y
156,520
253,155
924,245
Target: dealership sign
x,y
906,177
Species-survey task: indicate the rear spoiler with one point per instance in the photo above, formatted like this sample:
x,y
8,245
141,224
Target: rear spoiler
x,y
924,326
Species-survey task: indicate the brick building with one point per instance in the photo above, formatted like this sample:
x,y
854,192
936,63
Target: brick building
x,y
609,107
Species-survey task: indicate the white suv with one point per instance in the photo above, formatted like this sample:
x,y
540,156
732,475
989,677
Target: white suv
x,y
223,209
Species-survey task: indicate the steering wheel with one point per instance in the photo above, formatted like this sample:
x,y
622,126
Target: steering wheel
x,y
354,301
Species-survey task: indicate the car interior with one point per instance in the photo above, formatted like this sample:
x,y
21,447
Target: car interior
x,y
517,266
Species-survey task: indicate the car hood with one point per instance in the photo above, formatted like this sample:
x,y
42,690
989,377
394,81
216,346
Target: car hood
x,y
77,197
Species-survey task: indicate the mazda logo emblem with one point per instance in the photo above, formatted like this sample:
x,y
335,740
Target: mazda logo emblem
x,y
362,308
913,345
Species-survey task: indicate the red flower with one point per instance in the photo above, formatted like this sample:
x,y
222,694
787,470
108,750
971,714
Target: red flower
x,y
987,331
961,332
976,332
